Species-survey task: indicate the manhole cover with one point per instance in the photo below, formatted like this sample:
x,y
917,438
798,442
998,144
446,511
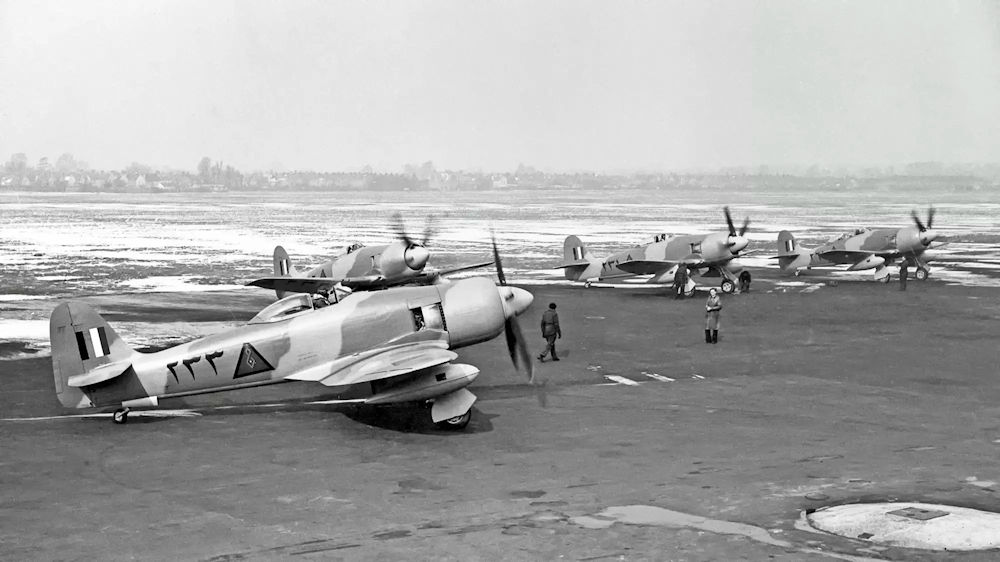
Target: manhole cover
x,y
912,525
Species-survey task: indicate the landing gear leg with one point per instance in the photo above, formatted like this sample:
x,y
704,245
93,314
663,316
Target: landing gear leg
x,y
457,422
120,416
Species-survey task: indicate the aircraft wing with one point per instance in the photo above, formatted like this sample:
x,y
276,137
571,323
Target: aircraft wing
x,y
462,268
296,284
844,256
399,357
646,267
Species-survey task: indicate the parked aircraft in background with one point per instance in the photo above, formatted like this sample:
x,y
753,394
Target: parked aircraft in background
x,y
379,347
864,248
361,267
711,255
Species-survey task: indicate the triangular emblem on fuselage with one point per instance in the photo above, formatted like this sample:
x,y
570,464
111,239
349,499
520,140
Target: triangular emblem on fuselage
x,y
251,362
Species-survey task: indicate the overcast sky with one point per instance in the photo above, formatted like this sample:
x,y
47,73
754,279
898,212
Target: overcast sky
x,y
486,85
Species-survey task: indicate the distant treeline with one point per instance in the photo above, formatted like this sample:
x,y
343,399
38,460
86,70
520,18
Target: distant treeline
x,y
70,175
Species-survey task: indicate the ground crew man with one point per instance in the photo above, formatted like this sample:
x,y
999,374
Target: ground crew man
x,y
550,331
713,307
744,281
680,281
904,272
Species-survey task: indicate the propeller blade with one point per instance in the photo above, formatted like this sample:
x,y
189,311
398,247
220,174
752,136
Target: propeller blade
x,y
746,224
729,221
430,229
397,224
496,261
930,217
916,219
519,353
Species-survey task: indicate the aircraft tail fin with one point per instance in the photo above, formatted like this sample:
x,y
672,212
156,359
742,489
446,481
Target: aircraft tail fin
x,y
282,267
790,256
787,245
82,345
575,259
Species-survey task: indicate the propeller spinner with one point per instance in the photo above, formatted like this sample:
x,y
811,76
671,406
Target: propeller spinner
x,y
416,254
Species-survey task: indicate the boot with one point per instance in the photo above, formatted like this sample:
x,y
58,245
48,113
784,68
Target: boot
x,y
715,336
708,336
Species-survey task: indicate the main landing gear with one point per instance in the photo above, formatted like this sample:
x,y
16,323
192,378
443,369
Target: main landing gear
x,y
728,286
921,274
120,416
457,422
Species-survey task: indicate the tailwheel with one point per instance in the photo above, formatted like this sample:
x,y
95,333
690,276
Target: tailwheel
x,y
120,416
728,286
457,422
586,284
922,274
887,278
689,293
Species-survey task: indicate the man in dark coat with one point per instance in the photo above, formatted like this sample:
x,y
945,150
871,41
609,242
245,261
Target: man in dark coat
x,y
550,331
680,281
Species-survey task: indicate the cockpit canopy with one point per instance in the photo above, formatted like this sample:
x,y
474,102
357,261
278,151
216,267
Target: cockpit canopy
x,y
288,307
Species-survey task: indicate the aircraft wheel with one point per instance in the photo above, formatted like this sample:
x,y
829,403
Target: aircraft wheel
x,y
887,278
728,286
457,422
797,273
586,284
922,274
120,416
689,293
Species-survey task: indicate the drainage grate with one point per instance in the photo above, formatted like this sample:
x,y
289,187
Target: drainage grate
x,y
918,513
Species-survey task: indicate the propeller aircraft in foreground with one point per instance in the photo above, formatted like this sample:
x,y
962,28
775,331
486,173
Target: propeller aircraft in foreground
x,y
383,347
714,253
362,267
863,249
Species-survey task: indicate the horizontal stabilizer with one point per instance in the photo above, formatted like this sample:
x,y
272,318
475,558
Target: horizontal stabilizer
x,y
296,284
99,374
578,263
464,268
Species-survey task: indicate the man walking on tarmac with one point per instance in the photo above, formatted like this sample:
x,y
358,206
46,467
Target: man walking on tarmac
x,y
904,272
550,331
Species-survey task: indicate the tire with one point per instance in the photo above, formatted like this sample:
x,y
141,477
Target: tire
x,y
921,274
120,417
689,293
728,286
456,423
887,278
586,284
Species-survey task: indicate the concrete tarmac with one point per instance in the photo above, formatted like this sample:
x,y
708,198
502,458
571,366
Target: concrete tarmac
x,y
847,393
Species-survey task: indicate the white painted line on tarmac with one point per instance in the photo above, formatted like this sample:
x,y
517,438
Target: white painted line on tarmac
x,y
660,378
621,380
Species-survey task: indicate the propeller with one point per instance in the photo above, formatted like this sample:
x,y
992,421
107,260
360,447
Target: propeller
x,y
927,235
736,241
416,253
516,345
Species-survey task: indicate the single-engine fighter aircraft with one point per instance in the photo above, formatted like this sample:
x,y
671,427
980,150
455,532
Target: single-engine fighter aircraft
x,y
714,253
864,248
381,347
361,267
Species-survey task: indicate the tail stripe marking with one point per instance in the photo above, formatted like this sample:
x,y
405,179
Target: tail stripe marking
x,y
577,253
94,340
789,245
97,337
283,267
82,344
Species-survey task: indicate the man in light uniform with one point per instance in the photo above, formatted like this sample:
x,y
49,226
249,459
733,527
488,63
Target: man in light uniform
x,y
713,307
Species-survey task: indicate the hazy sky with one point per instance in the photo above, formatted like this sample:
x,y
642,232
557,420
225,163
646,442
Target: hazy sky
x,y
561,85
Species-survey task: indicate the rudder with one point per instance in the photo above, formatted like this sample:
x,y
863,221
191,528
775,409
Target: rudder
x,y
282,267
81,341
